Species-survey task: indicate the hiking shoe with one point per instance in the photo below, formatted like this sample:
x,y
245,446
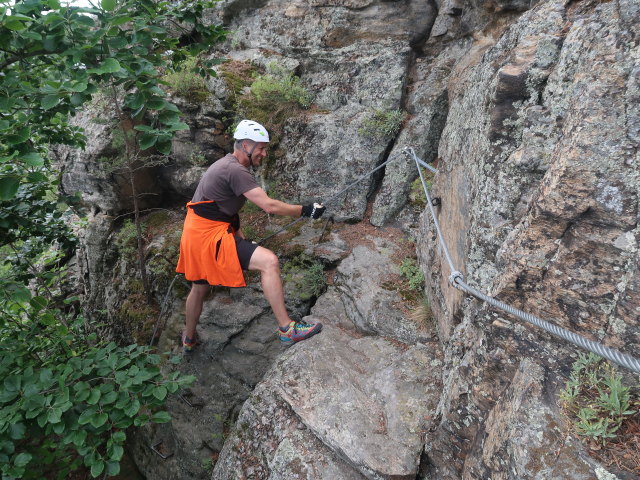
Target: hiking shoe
x,y
188,344
299,330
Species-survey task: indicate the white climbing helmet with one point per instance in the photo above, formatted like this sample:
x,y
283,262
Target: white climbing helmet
x,y
248,129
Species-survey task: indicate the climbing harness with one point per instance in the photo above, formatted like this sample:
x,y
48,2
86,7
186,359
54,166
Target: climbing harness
x,y
457,280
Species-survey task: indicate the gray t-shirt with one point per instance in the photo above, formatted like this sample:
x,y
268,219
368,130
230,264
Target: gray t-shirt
x,y
225,182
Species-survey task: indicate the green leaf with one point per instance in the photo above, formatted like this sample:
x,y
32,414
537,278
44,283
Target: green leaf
x,y
14,24
98,467
58,428
160,392
144,128
132,408
77,99
13,383
20,136
164,145
22,459
169,117
19,294
109,398
79,87
134,101
147,140
161,417
94,396
17,431
49,101
38,303
157,104
33,158
174,127
115,453
85,20
85,417
120,19
110,65
140,420
79,437
113,468
108,5
99,419
50,43
8,187
54,415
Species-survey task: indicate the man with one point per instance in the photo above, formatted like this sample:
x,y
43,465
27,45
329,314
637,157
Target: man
x,y
213,250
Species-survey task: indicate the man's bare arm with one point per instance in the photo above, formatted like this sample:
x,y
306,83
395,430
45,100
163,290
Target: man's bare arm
x,y
271,205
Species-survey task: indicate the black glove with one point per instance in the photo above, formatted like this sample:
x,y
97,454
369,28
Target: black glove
x,y
314,211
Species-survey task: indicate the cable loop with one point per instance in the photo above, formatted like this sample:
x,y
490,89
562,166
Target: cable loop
x,y
454,278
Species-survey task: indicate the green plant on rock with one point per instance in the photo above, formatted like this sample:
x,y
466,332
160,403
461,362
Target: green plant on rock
x,y
411,271
185,81
305,275
198,159
381,123
272,99
126,240
279,86
595,400
416,192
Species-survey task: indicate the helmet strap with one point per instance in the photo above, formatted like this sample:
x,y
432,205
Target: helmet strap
x,y
250,154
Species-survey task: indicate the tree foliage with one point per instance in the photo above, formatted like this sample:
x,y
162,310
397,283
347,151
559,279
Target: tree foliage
x,y
67,398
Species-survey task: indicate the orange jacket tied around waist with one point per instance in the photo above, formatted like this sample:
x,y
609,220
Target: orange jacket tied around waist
x,y
208,251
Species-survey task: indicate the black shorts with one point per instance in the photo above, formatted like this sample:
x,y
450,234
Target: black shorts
x,y
245,250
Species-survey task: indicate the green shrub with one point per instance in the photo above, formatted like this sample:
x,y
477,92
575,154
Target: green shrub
x,y
198,159
66,399
411,271
126,240
305,275
595,400
381,123
185,82
279,85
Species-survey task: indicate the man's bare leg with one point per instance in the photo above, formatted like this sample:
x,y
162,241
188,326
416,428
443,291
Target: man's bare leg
x,y
266,262
195,300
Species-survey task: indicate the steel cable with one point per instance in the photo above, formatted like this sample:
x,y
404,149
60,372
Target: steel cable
x,y
333,197
457,280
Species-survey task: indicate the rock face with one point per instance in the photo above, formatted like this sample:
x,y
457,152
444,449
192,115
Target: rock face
x,y
539,185
367,400
370,300
339,51
530,112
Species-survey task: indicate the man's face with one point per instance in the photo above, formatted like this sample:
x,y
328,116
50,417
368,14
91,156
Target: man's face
x,y
259,153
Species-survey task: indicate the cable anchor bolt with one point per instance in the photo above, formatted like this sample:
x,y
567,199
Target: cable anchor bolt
x,y
454,277
435,201
159,450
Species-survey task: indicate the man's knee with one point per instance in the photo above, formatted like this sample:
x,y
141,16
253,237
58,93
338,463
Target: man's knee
x,y
199,290
264,260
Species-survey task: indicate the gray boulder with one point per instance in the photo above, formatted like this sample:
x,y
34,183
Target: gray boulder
x,y
367,400
367,287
